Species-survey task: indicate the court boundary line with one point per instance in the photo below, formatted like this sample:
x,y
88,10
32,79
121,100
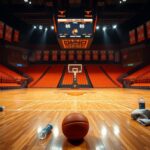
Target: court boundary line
x,y
66,110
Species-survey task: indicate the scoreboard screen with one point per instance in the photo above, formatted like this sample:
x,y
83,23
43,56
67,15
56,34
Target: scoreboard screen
x,y
75,28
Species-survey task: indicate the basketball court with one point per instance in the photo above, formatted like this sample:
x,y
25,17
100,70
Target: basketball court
x,y
108,112
74,75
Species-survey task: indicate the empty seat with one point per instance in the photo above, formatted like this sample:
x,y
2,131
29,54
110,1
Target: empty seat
x,y
81,78
98,78
51,78
35,72
115,71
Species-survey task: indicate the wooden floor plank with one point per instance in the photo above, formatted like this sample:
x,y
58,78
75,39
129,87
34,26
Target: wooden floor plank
x,y
108,112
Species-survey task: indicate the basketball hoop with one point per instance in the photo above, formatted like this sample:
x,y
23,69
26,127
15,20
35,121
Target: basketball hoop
x,y
75,69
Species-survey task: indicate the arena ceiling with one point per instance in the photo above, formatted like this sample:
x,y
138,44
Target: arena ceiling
x,y
41,11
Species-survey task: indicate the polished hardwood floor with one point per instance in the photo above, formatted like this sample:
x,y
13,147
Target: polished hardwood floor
x,y
108,111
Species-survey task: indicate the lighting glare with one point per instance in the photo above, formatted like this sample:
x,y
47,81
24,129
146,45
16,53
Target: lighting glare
x,y
30,2
35,27
104,131
97,27
46,29
41,27
39,129
116,130
115,26
56,132
25,1
122,1
104,28
52,27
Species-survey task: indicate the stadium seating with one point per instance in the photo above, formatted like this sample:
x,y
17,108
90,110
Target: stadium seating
x,y
145,76
68,78
115,71
141,85
138,73
11,73
101,76
4,78
51,77
35,72
98,77
9,85
140,78
81,78
10,79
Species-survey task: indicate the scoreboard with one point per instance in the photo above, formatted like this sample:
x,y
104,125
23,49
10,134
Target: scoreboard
x,y
75,28
75,33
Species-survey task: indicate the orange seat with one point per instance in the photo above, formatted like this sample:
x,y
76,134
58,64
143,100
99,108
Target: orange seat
x,y
9,85
35,72
138,73
9,78
51,78
11,73
140,85
140,78
115,71
98,78
81,78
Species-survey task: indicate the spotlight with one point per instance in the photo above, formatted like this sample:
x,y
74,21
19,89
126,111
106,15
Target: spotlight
x,y
30,2
41,27
104,28
46,29
97,27
120,2
114,26
35,27
52,27
25,1
124,0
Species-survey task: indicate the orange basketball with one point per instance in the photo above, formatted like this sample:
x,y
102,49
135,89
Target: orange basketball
x,y
75,126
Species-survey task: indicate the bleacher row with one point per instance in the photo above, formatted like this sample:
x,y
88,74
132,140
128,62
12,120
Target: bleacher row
x,y
139,79
10,79
49,76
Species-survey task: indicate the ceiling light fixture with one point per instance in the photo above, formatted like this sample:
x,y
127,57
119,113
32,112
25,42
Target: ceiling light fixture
x,y
41,27
104,28
52,27
97,27
35,27
114,26
46,29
